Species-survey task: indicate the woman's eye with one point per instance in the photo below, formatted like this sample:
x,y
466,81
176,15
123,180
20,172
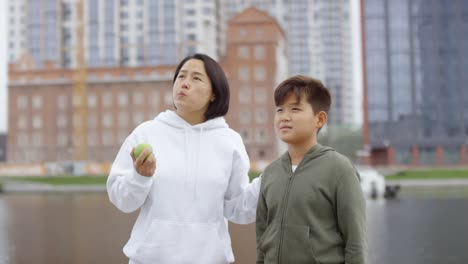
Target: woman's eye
x,y
180,76
197,78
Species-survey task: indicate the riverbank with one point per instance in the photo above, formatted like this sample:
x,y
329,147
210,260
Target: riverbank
x,y
418,178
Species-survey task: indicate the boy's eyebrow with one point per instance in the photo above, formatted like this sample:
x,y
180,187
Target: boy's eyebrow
x,y
296,103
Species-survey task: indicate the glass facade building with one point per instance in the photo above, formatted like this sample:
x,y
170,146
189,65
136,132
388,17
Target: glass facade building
x,y
416,68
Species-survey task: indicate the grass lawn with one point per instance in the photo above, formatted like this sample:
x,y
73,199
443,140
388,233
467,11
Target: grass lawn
x,y
429,174
75,180
64,180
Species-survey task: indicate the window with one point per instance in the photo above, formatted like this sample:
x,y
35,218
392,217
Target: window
x,y
245,135
62,121
244,117
260,73
107,138
243,73
92,101
138,118
244,95
22,102
22,122
37,122
92,121
62,139
259,52
107,99
92,139
138,98
207,10
123,99
191,37
243,52
107,120
260,116
123,119
190,12
168,98
36,139
155,99
243,33
260,95
261,135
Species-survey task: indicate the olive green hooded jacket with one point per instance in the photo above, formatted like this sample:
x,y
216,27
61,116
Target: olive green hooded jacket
x,y
314,215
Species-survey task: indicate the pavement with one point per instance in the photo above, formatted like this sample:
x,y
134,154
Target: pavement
x,y
429,183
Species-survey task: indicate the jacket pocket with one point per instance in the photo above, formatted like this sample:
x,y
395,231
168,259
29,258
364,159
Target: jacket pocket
x,y
179,242
296,246
268,243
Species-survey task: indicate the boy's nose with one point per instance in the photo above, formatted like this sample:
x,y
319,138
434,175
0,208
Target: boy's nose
x,y
285,117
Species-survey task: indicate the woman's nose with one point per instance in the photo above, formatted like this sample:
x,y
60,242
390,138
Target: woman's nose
x,y
185,84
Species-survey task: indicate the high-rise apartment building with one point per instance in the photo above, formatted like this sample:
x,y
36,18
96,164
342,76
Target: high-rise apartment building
x,y
319,44
416,63
117,32
161,32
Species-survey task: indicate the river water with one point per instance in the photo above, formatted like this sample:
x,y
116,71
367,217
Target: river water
x,y
422,226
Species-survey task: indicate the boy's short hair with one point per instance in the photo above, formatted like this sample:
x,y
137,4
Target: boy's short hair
x,y
315,92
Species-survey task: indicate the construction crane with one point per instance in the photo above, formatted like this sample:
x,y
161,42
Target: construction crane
x,y
80,107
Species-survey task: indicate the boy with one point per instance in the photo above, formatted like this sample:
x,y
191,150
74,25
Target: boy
x,y
311,208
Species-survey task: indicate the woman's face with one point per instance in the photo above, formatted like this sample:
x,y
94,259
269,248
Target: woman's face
x,y
192,92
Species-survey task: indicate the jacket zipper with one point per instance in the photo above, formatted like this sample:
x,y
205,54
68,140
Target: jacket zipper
x,y
285,202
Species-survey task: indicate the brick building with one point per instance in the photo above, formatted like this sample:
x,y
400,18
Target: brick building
x,y
119,98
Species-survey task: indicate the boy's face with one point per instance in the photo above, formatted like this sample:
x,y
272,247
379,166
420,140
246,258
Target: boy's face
x,y
296,122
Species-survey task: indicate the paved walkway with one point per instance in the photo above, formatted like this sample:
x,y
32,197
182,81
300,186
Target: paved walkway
x,y
429,183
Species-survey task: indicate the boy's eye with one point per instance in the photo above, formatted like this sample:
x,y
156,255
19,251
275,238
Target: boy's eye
x,y
296,109
279,110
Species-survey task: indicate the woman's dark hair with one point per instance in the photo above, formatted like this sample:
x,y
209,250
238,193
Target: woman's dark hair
x,y
219,84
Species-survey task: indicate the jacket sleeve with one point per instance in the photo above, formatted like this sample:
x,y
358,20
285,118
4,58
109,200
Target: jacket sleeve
x,y
351,213
240,199
126,188
261,224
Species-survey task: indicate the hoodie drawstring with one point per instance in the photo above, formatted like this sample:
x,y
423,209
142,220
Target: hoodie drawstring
x,y
186,131
196,171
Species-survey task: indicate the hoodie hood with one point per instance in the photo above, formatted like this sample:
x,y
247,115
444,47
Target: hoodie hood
x,y
315,152
172,119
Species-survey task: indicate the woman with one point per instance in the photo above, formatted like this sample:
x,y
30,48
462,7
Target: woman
x,y
195,179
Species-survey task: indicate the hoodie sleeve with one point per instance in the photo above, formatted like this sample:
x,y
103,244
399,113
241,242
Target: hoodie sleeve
x,y
240,199
351,215
126,188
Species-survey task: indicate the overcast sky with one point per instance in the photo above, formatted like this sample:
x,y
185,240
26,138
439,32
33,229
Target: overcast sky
x,y
3,62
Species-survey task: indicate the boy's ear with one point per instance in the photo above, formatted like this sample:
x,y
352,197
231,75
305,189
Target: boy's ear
x,y
321,119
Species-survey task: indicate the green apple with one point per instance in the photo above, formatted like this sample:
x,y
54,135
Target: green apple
x,y
139,149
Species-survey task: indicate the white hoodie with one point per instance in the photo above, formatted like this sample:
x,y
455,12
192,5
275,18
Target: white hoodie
x,y
201,180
